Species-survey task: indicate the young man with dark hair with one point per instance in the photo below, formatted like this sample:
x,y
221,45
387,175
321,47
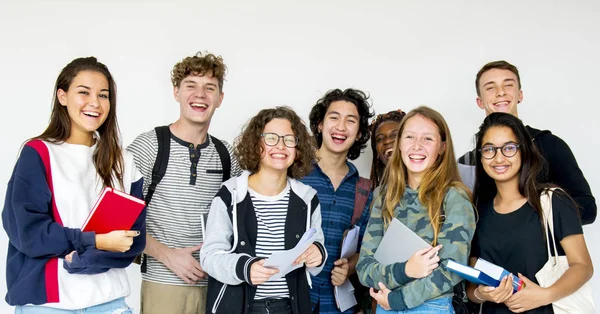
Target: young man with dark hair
x,y
340,125
498,87
190,166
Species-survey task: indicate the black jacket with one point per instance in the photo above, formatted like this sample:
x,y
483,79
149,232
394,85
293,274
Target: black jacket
x,y
237,296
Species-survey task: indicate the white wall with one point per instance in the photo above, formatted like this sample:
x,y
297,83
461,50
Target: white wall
x,y
404,53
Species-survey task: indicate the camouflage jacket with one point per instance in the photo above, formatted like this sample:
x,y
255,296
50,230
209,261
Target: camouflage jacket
x,y
455,236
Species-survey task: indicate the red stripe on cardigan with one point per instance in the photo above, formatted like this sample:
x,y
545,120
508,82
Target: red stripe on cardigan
x,y
51,268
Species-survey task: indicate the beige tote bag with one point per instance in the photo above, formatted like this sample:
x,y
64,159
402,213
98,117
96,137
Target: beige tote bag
x,y
580,301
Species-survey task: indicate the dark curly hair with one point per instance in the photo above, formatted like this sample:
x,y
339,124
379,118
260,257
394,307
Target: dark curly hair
x,y
360,100
199,64
248,148
377,166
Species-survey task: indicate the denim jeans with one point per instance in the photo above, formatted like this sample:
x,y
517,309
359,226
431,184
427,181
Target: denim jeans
x,y
440,305
117,306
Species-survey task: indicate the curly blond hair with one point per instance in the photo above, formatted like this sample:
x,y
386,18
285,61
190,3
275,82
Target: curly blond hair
x,y
200,64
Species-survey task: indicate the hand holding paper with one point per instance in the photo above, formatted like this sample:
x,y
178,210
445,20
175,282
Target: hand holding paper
x,y
289,260
343,289
339,273
311,257
260,274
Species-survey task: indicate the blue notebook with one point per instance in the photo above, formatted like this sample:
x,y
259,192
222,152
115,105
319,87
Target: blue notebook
x,y
484,273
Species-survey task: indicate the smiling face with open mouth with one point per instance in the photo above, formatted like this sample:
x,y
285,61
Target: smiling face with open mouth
x,y
500,92
501,168
198,97
340,126
278,157
420,145
385,137
87,102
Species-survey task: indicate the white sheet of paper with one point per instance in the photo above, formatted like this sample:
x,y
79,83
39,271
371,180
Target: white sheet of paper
x,y
344,296
283,260
399,243
350,244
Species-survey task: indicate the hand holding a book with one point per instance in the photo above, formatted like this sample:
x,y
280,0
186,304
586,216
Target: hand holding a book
x,y
183,264
528,298
260,274
496,294
116,241
423,262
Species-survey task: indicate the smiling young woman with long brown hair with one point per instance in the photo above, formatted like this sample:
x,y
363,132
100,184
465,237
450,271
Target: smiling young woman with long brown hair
x,y
511,231
53,266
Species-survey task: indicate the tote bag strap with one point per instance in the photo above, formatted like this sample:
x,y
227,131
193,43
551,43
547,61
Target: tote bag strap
x,y
546,201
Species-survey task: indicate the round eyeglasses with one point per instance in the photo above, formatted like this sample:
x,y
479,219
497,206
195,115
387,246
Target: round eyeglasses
x,y
508,150
272,139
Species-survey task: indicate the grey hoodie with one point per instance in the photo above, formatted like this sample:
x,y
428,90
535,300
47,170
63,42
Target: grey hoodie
x,y
218,257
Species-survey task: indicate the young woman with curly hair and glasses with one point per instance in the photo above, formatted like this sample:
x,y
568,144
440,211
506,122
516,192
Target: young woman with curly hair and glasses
x,y
263,211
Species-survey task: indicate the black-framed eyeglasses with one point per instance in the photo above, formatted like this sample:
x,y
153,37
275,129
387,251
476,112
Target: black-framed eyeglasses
x,y
508,150
272,139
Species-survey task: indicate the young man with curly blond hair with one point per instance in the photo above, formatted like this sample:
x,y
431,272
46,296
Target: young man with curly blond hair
x,y
183,167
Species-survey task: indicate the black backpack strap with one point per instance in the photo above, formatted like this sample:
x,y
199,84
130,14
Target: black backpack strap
x,y
163,136
225,158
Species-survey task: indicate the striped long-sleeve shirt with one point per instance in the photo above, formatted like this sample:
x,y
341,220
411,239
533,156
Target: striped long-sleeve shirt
x,y
271,212
193,177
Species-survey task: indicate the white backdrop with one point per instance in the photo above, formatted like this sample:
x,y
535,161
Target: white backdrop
x,y
404,53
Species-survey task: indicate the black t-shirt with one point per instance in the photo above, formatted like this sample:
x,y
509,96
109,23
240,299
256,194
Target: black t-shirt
x,y
516,242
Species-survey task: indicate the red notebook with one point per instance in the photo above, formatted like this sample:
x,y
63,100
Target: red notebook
x,y
114,210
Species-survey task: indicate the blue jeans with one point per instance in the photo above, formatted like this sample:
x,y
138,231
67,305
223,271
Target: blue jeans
x,y
117,306
440,305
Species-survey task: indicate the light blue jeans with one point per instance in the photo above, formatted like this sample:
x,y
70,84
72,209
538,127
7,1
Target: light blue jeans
x,y
439,305
117,306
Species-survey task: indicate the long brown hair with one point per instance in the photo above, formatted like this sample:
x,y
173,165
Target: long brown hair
x,y
442,175
108,157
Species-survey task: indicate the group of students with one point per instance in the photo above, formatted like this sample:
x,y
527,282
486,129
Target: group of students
x,y
215,212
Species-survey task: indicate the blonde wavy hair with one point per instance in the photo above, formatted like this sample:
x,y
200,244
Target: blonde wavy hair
x,y
442,175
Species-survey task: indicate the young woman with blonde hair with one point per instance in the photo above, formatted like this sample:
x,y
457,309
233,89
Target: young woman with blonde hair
x,y
422,189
